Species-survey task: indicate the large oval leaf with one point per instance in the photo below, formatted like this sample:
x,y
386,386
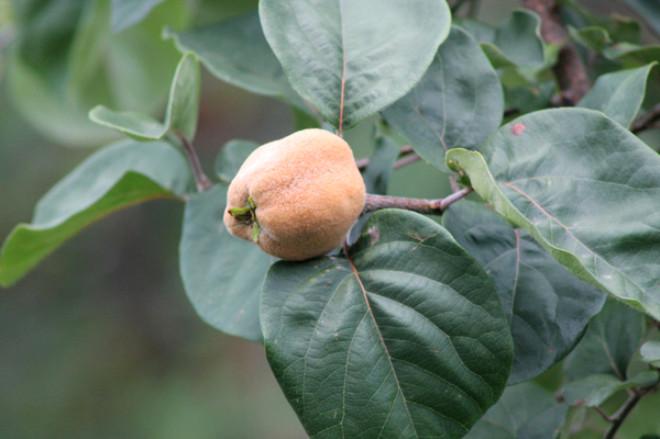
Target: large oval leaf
x,y
406,339
222,274
458,102
548,308
349,61
586,189
116,177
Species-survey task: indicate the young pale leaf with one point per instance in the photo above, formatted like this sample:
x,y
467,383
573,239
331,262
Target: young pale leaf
x,y
222,274
406,339
620,94
236,51
231,157
525,411
116,177
632,55
126,13
341,55
651,353
458,101
67,60
594,390
585,188
180,116
608,345
548,308
595,38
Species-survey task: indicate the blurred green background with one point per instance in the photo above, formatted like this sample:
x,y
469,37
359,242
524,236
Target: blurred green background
x,y
100,340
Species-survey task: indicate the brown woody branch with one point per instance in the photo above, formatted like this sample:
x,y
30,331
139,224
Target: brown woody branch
x,y
647,120
420,205
569,69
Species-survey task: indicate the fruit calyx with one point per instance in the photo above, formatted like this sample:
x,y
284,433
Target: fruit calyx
x,y
248,215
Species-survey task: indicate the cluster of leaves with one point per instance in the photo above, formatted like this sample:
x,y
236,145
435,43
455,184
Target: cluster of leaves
x,y
421,328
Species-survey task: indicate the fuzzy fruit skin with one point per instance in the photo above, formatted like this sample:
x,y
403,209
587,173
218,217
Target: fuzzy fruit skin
x,y
308,192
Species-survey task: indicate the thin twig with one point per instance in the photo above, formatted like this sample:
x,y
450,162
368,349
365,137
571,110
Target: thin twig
x,y
404,151
604,415
201,180
406,160
420,205
569,69
621,415
646,120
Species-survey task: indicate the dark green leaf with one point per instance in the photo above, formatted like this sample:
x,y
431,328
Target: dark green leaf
x,y
525,411
406,340
585,188
651,353
458,102
236,51
609,344
231,157
342,57
620,94
126,13
181,114
548,308
594,390
222,274
116,177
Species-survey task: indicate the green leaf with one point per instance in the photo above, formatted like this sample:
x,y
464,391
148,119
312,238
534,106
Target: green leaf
x,y
342,57
651,353
222,274
608,345
595,38
116,177
181,114
379,170
632,55
594,390
67,60
525,411
236,51
547,307
407,339
517,42
585,188
231,157
620,94
458,102
648,9
126,13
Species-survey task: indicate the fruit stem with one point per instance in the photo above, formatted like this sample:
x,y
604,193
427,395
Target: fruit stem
x,y
420,205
